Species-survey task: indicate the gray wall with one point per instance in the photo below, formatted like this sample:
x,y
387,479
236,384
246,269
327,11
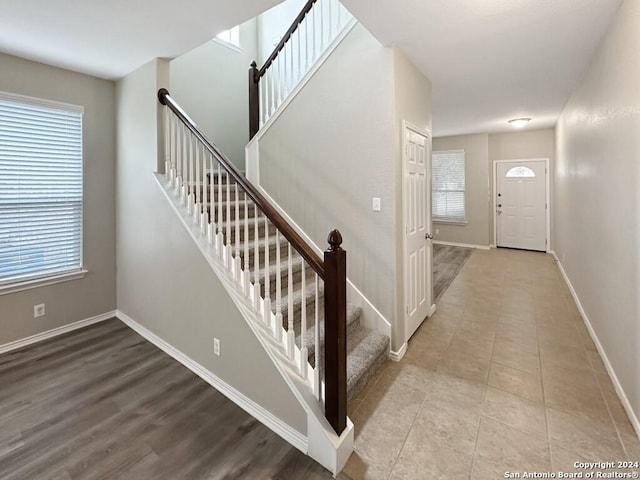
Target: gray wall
x,y
331,151
210,84
164,283
412,103
477,173
95,294
597,217
481,151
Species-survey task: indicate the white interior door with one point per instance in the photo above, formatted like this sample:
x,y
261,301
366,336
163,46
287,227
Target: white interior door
x,y
417,216
521,217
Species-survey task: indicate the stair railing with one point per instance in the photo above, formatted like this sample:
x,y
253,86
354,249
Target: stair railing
x,y
215,193
317,25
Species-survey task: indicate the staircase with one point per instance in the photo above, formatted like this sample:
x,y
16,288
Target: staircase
x,y
293,298
366,350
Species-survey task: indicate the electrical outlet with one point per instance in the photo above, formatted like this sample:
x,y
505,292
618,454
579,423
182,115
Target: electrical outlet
x,y
216,346
437,231
39,310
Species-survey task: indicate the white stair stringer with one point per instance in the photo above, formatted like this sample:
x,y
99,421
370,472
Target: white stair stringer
x,y
323,444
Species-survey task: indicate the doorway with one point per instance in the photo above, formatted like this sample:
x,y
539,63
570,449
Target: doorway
x,y
417,221
521,199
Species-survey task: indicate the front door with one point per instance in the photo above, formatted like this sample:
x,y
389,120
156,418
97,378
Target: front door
x,y
417,216
521,218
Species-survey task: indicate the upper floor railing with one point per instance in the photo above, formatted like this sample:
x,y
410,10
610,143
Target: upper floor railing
x,y
315,28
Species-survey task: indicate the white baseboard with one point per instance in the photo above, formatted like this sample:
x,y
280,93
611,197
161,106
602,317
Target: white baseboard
x,y
272,422
39,337
397,356
612,374
466,245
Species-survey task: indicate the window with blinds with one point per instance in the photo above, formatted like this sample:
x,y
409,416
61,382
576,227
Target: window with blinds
x,y
40,189
448,186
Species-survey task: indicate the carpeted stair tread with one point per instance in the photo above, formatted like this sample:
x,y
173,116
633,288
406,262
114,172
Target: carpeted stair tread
x,y
353,323
366,352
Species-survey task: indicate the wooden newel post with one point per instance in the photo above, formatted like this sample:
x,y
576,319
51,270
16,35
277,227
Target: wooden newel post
x,y
254,100
335,324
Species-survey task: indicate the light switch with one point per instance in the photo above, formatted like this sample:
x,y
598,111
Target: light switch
x,y
375,204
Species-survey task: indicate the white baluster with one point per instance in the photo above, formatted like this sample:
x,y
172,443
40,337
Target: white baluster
x,y
228,232
267,277
299,48
211,227
263,100
185,169
304,353
306,42
279,70
204,192
196,192
292,82
178,159
247,270
220,231
256,257
322,23
190,199
278,325
330,22
315,33
316,353
291,334
165,133
176,154
237,262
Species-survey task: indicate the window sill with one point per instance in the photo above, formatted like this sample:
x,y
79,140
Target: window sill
x,y
41,282
451,222
230,46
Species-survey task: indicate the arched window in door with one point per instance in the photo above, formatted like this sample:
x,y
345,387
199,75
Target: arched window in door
x,y
520,172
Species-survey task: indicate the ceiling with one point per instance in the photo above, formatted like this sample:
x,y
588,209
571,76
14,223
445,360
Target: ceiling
x,y
488,60
492,60
111,38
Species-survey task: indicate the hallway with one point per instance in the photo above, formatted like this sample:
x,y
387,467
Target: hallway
x,y
502,378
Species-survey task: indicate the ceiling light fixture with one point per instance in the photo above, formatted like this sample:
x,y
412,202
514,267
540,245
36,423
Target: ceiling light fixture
x,y
519,122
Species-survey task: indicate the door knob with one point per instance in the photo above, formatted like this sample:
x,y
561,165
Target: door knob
x,y
428,236
499,205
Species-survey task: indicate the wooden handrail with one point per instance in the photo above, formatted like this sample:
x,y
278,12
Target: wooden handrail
x,y
294,26
306,251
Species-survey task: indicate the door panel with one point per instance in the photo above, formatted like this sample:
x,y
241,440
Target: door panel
x,y
417,212
521,204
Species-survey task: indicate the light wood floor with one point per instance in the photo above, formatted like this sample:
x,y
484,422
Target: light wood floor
x,y
103,403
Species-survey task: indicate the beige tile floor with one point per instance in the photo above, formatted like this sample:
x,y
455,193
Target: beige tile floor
x,y
502,378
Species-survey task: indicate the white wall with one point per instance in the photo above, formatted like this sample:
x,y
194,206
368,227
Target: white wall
x,y
477,205
164,282
211,84
597,214
95,294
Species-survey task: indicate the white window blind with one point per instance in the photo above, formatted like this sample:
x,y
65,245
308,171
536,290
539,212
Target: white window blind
x,y
448,186
40,188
